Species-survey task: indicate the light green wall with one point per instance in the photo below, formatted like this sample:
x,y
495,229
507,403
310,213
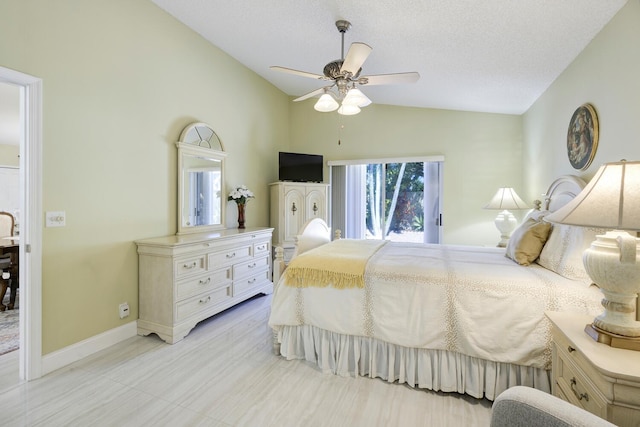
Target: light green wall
x,y
117,92
121,79
9,155
605,74
482,153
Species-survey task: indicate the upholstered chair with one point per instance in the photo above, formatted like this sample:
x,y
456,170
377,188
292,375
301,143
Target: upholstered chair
x,y
527,407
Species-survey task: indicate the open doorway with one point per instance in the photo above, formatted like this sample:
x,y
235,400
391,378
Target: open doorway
x,y
30,223
9,217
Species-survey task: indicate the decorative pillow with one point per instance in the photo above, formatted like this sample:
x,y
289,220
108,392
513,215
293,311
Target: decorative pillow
x,y
527,241
563,251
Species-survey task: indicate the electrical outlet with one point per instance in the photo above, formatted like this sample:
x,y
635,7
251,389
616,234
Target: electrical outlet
x,y
124,310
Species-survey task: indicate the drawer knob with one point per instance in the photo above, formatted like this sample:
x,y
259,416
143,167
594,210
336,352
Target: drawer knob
x,y
205,282
580,396
190,266
231,255
252,265
571,349
251,281
206,300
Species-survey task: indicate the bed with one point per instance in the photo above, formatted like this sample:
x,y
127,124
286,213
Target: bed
x,y
440,317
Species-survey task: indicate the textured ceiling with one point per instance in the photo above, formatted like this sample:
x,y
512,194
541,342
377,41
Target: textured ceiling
x,y
490,55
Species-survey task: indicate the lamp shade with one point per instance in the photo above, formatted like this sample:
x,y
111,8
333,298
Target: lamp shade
x,y
611,200
326,103
348,110
506,199
356,97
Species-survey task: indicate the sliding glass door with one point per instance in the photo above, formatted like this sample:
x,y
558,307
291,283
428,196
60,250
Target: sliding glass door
x,y
396,200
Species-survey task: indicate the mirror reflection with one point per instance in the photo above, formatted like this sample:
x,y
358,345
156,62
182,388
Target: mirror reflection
x,y
200,180
202,195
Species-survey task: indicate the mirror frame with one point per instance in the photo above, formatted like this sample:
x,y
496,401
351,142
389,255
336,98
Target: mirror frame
x,y
200,140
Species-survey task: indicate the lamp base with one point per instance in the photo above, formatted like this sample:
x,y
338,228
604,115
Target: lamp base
x,y
505,223
613,263
611,339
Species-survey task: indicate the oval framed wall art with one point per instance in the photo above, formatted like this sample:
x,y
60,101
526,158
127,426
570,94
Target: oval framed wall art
x,y
582,137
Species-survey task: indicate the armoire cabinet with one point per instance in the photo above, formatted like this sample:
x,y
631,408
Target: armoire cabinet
x,y
188,278
293,204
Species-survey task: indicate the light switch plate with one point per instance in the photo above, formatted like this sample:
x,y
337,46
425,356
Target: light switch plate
x,y
55,219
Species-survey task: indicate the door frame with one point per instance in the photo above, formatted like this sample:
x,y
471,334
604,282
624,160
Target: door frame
x,y
31,221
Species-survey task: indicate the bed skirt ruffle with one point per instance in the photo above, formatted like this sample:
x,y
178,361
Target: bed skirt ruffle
x,y
437,370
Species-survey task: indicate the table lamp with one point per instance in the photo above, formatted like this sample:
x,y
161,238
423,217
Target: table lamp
x,y
611,200
505,199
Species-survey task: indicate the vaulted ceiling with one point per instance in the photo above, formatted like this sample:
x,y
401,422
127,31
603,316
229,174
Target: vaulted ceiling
x,y
490,55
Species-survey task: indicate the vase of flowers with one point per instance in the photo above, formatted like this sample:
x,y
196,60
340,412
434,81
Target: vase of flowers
x,y
241,196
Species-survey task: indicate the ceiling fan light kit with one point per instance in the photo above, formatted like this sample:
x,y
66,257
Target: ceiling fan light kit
x,y
326,104
348,110
356,97
345,75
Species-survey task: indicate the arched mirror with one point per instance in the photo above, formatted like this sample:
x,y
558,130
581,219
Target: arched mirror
x,y
200,180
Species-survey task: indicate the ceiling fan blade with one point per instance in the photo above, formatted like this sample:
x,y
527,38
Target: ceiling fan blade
x,y
311,94
389,79
358,53
297,72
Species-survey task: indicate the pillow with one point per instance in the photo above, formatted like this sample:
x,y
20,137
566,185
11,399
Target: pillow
x,y
536,215
527,241
306,243
563,251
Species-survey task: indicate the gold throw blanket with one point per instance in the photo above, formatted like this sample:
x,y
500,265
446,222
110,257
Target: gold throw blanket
x,y
340,264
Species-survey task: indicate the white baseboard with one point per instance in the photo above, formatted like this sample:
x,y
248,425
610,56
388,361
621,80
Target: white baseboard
x,y
82,349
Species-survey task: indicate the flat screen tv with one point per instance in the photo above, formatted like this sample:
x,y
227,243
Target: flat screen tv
x,y
300,167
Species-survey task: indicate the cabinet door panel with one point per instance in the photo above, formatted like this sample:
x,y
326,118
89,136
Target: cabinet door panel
x,y
294,208
316,206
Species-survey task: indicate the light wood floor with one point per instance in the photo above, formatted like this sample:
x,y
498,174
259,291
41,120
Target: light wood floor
x,y
223,374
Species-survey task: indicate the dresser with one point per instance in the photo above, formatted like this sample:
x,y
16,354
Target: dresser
x,y
292,205
603,380
185,279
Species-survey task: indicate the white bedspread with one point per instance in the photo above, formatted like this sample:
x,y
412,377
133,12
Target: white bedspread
x,y
468,300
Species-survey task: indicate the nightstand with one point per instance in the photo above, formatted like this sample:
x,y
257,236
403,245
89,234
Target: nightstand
x,y
603,380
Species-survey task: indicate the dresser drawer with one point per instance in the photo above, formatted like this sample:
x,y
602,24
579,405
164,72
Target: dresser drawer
x,y
569,351
260,248
576,387
192,306
245,284
189,266
230,256
250,267
197,285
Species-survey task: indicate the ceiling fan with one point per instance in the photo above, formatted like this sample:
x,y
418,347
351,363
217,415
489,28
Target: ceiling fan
x,y
345,77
